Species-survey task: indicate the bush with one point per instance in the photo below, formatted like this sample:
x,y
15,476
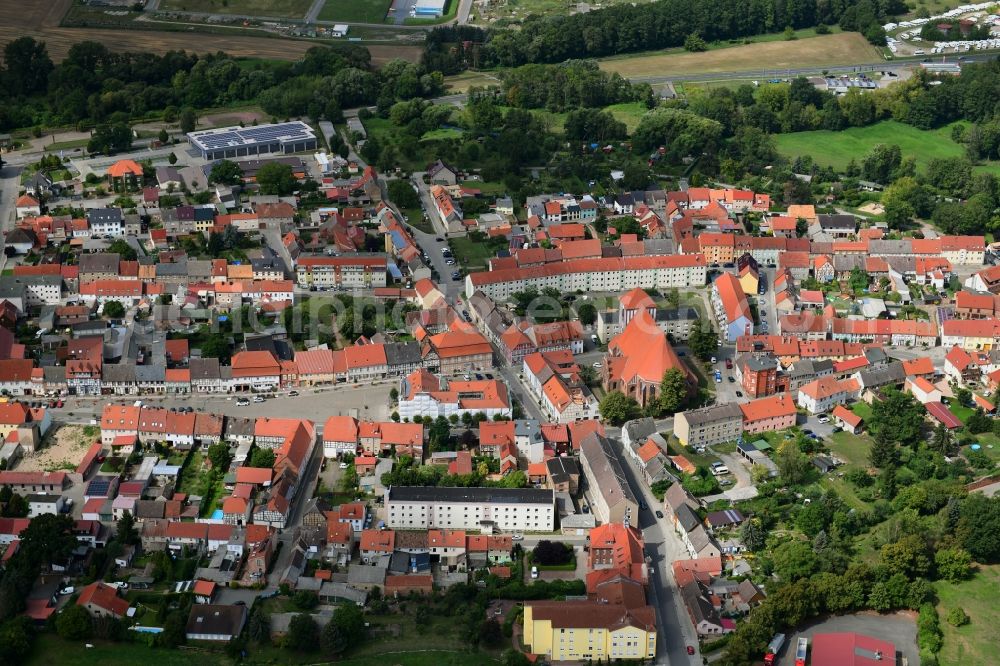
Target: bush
x,y
551,553
956,617
928,629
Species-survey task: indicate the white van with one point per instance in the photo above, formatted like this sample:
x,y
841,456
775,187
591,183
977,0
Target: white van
x,y
720,470
534,572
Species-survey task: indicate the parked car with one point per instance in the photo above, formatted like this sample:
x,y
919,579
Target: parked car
x,y
293,393
258,398
729,364
344,465
739,394
823,418
714,360
534,572
242,402
690,649
659,514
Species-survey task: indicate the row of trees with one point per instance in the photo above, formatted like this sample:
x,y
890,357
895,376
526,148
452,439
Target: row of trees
x,y
95,86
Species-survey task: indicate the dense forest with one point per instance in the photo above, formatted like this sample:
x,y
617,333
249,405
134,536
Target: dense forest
x,y
627,28
94,86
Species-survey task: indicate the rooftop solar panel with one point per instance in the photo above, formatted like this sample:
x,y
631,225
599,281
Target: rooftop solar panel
x,y
231,137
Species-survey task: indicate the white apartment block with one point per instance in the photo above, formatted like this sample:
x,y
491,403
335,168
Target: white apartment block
x,y
503,509
591,275
323,272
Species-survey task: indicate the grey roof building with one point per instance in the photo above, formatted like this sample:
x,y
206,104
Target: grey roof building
x,y
99,263
610,490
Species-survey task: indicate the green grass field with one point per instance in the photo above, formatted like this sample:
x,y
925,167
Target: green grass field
x,y
852,448
361,11
975,642
629,113
280,8
470,254
837,149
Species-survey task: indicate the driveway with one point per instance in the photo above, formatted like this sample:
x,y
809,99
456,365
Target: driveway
x,y
737,467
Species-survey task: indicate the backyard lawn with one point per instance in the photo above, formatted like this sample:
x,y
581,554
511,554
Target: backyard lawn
x,y
974,642
853,449
471,254
197,479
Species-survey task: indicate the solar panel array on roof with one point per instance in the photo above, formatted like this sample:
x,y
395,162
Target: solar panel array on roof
x,y
98,487
231,137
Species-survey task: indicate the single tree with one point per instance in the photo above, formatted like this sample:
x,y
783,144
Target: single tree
x,y
616,407
113,310
333,641
884,453
262,458
188,119
276,178
48,538
74,623
673,391
226,172
303,633
753,535
587,314
220,456
127,534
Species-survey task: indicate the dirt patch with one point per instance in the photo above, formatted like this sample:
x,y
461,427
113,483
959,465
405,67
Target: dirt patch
x,y
41,21
62,449
233,118
840,49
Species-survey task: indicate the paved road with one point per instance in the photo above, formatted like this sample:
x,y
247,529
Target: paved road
x,y
10,181
664,546
314,10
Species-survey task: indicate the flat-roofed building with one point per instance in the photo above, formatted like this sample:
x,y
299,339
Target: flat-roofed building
x,y
229,142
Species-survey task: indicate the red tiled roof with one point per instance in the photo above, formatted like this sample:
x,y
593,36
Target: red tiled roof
x,y
103,596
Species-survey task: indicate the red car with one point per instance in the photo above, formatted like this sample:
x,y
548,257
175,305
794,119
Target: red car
x,y
729,364
690,649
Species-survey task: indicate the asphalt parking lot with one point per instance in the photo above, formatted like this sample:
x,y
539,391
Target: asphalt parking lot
x,y
898,629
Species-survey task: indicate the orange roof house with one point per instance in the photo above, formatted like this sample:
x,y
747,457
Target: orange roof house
x,y
102,600
619,548
123,168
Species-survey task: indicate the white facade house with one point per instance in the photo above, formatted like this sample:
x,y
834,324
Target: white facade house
x,y
39,504
422,393
105,221
503,509
826,393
